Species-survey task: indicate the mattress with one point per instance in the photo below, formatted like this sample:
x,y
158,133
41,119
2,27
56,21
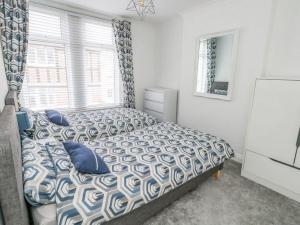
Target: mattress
x,y
44,215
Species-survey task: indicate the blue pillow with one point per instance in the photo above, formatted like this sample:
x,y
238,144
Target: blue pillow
x,y
57,118
84,159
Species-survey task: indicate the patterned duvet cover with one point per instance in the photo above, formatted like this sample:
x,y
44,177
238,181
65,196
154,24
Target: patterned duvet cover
x,y
88,125
144,165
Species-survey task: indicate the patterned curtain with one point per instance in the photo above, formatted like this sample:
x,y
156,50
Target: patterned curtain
x,y
122,32
14,39
211,62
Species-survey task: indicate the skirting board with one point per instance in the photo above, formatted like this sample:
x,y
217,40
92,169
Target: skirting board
x,y
238,157
270,185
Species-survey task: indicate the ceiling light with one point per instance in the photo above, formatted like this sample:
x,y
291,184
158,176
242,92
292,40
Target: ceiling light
x,y
142,7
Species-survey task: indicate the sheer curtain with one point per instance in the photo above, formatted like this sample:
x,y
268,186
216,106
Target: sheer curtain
x,y
202,67
72,61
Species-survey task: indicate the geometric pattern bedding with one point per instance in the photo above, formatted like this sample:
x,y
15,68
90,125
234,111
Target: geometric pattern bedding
x,y
38,172
144,165
89,125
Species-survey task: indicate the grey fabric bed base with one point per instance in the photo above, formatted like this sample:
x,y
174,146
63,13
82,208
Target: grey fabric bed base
x,y
140,215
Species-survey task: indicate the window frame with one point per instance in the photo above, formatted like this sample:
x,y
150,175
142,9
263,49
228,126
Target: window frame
x,y
65,42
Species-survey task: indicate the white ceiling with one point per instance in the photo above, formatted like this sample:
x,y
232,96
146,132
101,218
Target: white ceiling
x,y
164,8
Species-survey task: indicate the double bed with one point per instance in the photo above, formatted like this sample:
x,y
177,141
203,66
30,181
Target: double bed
x,y
149,168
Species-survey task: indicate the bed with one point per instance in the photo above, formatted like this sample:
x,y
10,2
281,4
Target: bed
x,y
149,169
89,124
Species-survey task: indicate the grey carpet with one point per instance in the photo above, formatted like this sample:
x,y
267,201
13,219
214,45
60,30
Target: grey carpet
x,y
232,200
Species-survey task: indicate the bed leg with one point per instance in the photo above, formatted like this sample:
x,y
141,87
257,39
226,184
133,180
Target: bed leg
x,y
217,175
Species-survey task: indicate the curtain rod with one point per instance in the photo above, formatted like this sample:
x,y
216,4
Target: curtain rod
x,y
74,10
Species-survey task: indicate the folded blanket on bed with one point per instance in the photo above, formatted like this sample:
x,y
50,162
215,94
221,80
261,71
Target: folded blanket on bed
x,y
144,165
88,125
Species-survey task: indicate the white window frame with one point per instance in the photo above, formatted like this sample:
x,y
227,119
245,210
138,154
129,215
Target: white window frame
x,y
65,42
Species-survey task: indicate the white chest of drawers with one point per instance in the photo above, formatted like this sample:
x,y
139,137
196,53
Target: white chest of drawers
x,y
161,103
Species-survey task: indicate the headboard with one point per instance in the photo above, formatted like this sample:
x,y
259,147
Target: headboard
x,y
12,200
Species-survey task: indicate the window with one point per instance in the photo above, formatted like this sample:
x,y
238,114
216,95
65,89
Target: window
x,y
202,67
72,62
101,60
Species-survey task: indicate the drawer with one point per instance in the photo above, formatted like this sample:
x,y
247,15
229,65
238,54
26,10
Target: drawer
x,y
274,172
157,115
154,96
154,106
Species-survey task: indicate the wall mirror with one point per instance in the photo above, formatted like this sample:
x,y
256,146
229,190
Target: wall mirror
x,y
215,65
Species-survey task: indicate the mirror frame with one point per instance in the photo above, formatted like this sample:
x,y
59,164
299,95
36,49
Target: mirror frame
x,y
233,60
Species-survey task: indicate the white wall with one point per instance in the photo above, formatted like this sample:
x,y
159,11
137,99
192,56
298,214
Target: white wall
x,y
144,58
283,55
3,82
227,119
169,52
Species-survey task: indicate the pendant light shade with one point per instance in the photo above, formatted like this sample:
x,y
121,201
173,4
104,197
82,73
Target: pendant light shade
x,y
142,7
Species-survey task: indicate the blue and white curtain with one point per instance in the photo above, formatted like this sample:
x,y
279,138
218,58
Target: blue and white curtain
x,y
14,40
123,39
211,62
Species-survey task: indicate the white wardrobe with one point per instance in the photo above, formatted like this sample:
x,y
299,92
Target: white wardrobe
x,y
273,136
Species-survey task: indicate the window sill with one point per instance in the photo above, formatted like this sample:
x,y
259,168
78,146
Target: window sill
x,y
91,108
